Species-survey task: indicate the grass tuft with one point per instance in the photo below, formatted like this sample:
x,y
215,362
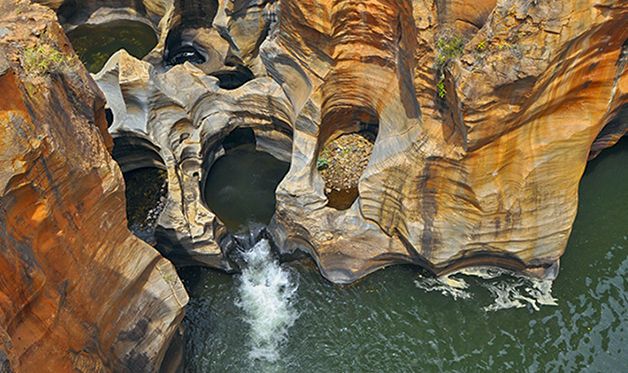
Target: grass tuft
x,y
322,163
44,59
449,47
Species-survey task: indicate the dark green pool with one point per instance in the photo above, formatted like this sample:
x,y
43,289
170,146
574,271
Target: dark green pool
x,y
240,187
399,321
94,44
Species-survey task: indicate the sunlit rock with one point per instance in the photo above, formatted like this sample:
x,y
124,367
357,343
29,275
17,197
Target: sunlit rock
x,y
78,292
485,115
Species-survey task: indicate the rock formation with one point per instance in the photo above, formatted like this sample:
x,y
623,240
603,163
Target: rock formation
x,y
486,176
78,292
485,115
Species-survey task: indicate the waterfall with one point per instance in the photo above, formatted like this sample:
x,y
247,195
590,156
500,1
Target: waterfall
x,y
266,294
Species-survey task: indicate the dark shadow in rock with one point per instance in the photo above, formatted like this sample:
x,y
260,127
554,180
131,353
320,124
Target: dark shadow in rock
x,y
146,192
197,13
146,184
109,117
239,137
234,79
67,10
342,199
185,53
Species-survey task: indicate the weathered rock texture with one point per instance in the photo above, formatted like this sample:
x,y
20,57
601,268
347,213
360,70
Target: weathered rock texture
x,y
486,175
489,177
78,292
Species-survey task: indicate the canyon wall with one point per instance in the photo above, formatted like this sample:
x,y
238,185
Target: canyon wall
x,y
78,292
481,171
485,115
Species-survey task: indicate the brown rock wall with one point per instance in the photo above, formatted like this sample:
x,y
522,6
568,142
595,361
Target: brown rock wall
x,y
78,292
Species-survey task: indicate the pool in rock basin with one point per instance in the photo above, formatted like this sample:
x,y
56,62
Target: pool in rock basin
x,y
95,44
240,187
398,319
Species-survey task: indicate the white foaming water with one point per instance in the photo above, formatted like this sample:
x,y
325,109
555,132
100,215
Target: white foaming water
x,y
266,293
446,285
507,289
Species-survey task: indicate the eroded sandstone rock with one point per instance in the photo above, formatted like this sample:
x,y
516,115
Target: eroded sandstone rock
x,y
78,292
487,174
489,179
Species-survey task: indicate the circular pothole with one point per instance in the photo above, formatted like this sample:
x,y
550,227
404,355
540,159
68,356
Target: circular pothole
x,y
341,164
233,79
181,47
184,53
240,186
96,43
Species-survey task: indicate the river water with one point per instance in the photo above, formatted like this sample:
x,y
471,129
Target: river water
x,y
285,318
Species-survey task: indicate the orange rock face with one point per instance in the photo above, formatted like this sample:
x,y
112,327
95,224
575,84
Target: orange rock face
x,y
78,292
486,175
485,113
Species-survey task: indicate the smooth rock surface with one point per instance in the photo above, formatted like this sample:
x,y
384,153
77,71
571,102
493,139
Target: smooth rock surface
x,y
488,177
485,175
78,292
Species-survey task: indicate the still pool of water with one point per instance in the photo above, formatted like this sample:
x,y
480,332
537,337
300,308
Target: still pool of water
x,y
240,187
94,44
399,320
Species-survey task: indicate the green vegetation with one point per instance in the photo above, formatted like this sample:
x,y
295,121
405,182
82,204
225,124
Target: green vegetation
x,y
42,59
449,47
494,45
481,47
440,87
322,163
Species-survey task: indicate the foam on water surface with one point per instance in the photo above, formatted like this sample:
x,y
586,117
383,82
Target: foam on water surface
x,y
266,294
508,290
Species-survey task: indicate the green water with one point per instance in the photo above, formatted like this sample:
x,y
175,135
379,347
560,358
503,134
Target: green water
x,y
240,187
398,320
94,44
